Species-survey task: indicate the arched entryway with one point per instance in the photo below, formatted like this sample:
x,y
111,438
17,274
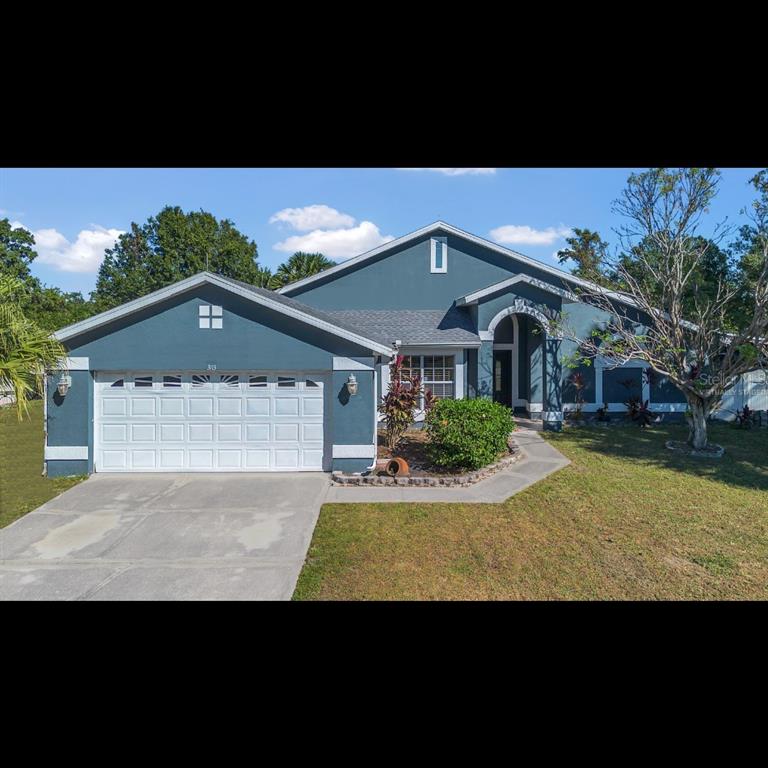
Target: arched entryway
x,y
521,359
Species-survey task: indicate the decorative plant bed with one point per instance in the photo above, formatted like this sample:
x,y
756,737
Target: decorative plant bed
x,y
712,451
422,474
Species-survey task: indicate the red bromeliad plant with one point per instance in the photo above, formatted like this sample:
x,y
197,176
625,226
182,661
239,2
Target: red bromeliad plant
x,y
401,402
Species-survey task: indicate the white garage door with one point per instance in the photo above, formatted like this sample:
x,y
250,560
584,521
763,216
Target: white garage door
x,y
208,422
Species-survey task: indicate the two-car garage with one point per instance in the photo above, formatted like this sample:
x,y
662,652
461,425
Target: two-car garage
x,y
208,421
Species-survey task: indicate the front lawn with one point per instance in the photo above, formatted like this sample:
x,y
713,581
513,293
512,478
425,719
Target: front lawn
x,y
626,520
22,486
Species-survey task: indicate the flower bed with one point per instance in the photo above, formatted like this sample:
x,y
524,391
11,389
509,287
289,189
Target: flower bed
x,y
423,473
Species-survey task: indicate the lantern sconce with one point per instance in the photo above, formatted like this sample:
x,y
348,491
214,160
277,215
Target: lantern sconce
x,y
65,382
352,384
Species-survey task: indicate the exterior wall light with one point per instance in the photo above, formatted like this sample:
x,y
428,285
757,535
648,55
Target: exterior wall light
x,y
352,384
65,382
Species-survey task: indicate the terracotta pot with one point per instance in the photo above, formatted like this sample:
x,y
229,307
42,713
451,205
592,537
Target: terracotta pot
x,y
398,467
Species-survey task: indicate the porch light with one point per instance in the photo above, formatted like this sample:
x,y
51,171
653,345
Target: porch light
x,y
352,384
65,382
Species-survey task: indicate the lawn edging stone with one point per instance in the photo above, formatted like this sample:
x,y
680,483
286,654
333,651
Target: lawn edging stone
x,y
434,481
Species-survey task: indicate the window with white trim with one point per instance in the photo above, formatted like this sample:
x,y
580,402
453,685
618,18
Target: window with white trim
x,y
211,316
437,372
438,259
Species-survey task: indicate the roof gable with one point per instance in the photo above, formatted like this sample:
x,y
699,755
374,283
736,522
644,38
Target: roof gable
x,y
269,299
437,228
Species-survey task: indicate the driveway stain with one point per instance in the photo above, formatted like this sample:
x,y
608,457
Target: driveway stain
x,y
80,533
263,533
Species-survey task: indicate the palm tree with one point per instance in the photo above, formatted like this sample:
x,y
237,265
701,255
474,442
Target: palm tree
x,y
266,279
301,265
26,350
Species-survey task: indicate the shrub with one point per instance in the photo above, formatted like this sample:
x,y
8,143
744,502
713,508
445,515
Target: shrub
x,y
399,405
467,434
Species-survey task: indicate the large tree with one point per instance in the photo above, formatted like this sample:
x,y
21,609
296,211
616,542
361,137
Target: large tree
x,y
588,251
301,265
692,337
16,252
169,247
46,306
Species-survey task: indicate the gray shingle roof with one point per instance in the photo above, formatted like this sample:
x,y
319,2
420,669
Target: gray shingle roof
x,y
328,317
411,326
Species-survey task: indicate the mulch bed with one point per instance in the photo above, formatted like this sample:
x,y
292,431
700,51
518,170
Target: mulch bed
x,y
413,448
422,472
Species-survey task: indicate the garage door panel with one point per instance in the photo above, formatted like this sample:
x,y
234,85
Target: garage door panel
x,y
257,433
171,433
171,406
171,459
143,459
240,422
229,459
142,433
201,406
114,406
143,406
229,433
257,406
200,433
114,433
286,406
286,433
229,406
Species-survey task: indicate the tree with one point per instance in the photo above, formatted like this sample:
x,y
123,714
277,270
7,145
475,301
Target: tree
x,y
266,279
16,252
659,317
48,307
301,265
713,269
26,350
169,247
588,250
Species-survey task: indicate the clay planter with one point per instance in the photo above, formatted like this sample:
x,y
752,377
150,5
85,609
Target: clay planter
x,y
397,467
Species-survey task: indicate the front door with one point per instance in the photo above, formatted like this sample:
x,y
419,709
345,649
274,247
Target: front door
x,y
502,377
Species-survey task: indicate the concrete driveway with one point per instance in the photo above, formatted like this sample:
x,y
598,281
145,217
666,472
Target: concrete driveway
x,y
165,537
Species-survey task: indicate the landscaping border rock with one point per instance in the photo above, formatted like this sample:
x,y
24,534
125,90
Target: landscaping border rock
x,y
713,451
433,481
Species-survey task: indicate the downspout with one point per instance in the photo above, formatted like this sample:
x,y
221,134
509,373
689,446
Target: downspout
x,y
375,421
395,345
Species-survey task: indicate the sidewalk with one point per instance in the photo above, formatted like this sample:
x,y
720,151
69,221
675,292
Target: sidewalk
x,y
539,460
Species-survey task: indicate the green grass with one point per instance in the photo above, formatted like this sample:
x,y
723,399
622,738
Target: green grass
x,y
22,485
626,520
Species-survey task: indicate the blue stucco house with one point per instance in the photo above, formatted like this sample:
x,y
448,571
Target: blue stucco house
x,y
211,374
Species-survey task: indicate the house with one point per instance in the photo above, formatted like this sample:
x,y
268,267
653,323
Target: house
x,y
211,374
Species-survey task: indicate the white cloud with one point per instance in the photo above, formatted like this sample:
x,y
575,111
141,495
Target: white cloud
x,y
337,244
455,171
19,225
313,217
513,234
84,255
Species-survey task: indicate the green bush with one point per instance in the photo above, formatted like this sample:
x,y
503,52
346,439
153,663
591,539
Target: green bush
x,y
467,434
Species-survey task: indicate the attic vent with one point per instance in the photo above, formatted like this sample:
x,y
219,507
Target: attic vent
x,y
438,256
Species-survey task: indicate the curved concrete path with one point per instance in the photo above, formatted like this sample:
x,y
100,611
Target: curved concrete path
x,y
539,460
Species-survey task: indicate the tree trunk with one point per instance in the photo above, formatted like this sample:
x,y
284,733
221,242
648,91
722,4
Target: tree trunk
x,y
697,423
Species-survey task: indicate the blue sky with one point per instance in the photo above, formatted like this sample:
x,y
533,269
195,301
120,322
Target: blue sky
x,y
76,213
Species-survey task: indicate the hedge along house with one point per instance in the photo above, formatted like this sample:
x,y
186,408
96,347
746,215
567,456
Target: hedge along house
x,y
211,374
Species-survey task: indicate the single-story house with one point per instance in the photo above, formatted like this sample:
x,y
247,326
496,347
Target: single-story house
x,y
212,374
